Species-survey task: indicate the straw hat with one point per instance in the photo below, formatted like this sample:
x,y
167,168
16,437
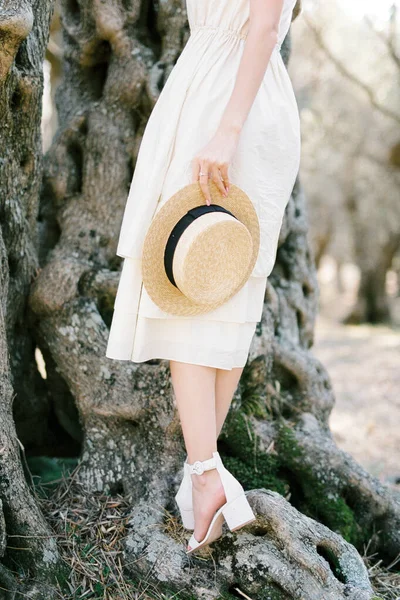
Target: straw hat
x,y
195,257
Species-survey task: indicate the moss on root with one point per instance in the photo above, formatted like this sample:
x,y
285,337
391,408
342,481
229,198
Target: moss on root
x,y
312,495
246,460
286,470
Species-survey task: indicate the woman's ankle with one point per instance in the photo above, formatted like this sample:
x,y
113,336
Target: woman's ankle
x,y
200,482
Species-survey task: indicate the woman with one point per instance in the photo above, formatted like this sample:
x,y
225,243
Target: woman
x,y
227,112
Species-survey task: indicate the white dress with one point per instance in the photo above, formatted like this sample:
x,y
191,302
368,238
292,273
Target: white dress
x,y
265,166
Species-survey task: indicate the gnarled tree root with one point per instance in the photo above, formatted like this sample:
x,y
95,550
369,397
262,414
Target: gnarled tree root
x,y
318,464
282,555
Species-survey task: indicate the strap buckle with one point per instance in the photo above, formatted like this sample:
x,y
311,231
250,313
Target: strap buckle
x,y
199,466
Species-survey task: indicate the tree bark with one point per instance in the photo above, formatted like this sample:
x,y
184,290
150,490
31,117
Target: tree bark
x,y
26,541
284,555
116,60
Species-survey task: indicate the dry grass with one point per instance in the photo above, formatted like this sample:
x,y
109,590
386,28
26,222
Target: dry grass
x,y
91,531
174,528
385,580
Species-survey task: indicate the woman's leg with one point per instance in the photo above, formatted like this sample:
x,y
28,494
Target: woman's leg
x,y
194,390
226,383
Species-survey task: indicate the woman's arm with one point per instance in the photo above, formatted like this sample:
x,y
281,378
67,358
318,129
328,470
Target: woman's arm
x,y
261,39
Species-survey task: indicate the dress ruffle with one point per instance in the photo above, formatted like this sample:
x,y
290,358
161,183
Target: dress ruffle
x,y
140,330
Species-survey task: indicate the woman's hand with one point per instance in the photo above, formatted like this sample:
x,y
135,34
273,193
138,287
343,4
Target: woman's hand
x,y
213,160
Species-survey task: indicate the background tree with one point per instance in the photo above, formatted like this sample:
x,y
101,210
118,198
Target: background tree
x,y
116,58
26,542
350,162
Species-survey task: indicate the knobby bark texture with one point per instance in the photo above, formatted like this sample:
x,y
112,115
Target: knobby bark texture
x,y
117,57
27,546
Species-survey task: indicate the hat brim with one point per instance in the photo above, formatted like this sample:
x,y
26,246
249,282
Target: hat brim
x,y
163,293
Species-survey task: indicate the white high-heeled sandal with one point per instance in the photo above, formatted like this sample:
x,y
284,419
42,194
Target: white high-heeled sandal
x,y
237,511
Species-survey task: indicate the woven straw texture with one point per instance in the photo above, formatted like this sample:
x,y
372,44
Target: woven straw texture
x,y
233,275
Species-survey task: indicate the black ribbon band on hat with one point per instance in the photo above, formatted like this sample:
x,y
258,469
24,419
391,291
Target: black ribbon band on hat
x,y
179,228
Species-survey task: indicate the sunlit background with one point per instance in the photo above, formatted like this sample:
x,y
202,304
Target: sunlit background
x,y
345,67
358,9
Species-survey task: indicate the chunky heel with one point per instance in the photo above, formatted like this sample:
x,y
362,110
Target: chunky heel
x,y
238,513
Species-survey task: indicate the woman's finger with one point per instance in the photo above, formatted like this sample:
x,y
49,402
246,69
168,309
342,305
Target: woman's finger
x,y
225,176
217,178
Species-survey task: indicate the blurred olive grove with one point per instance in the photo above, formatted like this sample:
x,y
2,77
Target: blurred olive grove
x,y
346,72
345,68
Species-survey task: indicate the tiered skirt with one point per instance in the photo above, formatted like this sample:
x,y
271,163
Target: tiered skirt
x,y
221,338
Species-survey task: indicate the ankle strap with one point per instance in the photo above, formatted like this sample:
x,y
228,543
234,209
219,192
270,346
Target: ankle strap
x,y
199,466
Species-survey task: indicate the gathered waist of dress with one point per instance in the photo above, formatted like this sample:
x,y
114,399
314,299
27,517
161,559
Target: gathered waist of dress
x,y
234,32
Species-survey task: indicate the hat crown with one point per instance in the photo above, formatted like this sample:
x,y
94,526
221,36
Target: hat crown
x,y
180,227
214,244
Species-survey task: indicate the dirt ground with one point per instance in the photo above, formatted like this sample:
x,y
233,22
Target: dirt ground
x,y
364,365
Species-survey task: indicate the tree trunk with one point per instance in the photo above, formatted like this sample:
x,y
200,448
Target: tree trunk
x,y
372,304
26,541
373,259
117,58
